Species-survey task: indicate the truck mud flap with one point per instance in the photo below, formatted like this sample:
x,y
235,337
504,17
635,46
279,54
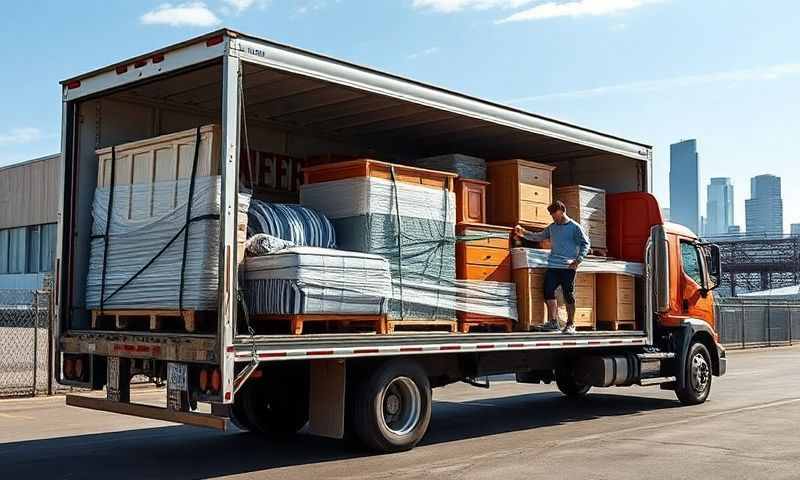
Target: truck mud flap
x,y
148,411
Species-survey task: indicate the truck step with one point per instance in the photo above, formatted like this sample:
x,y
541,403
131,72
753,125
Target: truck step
x,y
645,382
655,356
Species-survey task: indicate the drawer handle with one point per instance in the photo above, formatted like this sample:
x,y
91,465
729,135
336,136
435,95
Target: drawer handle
x,y
487,257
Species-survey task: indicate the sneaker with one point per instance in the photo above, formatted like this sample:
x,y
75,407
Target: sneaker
x,y
569,330
552,325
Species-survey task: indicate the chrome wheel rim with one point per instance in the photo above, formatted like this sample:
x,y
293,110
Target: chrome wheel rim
x,y
700,372
401,405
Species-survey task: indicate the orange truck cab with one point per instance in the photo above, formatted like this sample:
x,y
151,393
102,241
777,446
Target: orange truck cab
x,y
683,272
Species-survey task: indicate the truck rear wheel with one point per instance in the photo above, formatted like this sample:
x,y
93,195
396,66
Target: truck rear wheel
x,y
391,408
565,381
697,374
278,407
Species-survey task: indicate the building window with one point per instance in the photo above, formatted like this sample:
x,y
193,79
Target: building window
x,y
28,249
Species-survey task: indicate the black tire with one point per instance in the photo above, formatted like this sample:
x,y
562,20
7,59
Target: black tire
x,y
568,386
698,374
391,407
275,408
238,415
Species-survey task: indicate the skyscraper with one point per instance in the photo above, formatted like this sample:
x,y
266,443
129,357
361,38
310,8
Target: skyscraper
x,y
794,229
764,208
684,184
719,206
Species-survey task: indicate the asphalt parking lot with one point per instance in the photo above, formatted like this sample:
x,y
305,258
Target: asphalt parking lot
x,y
748,429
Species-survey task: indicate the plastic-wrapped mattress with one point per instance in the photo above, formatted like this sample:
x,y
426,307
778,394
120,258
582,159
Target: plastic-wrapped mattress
x,y
413,226
308,280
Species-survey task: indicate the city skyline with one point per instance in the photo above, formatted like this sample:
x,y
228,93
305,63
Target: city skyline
x,y
764,208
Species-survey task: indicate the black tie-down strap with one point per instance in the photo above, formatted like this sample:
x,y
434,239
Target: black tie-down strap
x,y
188,218
108,226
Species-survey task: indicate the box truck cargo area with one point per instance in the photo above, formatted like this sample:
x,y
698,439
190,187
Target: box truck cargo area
x,y
247,119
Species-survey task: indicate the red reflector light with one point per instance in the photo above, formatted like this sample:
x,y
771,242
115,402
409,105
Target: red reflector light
x,y
79,368
216,380
122,69
139,63
69,368
203,380
158,58
214,41
73,84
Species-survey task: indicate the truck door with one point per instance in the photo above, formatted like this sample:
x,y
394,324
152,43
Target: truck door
x,y
694,299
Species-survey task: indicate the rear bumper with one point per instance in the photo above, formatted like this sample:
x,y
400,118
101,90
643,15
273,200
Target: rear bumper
x,y
149,411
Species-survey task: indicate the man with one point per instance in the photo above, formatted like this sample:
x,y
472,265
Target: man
x,y
569,246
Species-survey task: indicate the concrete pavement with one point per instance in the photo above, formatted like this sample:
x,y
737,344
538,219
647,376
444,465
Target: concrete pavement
x,y
748,429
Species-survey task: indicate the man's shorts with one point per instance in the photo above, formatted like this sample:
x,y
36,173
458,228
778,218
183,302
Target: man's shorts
x,y
563,277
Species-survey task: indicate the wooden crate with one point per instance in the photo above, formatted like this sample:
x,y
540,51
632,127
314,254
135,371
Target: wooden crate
x,y
616,301
296,322
531,306
487,258
520,193
471,201
587,205
373,168
163,158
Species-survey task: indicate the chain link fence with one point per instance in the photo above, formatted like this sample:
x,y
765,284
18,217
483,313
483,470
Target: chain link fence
x,y
748,322
25,343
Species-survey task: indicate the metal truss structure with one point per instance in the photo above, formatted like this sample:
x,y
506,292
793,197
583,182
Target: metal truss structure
x,y
758,262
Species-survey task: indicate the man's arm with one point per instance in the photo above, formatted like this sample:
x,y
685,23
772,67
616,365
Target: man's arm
x,y
582,240
535,236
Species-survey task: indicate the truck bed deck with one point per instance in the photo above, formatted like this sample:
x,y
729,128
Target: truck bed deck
x,y
203,348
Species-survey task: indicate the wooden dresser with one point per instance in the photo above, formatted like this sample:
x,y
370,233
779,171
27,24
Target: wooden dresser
x,y
520,193
587,206
488,258
616,301
471,201
531,306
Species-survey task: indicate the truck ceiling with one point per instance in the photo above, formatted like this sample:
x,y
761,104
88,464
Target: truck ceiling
x,y
297,86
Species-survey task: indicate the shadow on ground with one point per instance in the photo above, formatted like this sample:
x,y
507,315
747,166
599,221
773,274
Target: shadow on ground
x,y
181,452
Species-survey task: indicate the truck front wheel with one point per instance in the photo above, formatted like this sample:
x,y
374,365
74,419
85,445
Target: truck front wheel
x,y
391,408
697,374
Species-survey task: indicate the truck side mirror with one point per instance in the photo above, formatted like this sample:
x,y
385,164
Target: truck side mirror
x,y
713,265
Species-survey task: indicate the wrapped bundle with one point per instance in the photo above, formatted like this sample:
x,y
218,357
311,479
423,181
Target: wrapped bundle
x,y
140,267
296,224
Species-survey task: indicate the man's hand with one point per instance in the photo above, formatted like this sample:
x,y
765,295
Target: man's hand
x,y
573,265
519,231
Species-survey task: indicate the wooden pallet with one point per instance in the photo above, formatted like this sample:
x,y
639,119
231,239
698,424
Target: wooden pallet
x,y
450,326
153,320
617,325
296,322
486,325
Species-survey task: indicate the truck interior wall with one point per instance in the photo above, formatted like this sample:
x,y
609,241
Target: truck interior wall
x,y
103,122
612,173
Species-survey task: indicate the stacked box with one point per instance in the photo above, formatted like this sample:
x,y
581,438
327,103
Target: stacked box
x,y
404,214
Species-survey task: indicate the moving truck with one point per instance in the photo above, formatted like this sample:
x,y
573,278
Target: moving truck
x,y
376,387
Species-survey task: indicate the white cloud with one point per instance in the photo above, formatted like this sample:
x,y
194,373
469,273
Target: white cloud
x,y
450,6
17,136
423,53
235,7
772,72
575,8
191,14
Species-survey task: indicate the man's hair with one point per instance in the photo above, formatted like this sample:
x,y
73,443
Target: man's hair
x,y
557,205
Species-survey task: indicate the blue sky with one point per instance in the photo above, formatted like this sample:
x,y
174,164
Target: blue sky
x,y
726,72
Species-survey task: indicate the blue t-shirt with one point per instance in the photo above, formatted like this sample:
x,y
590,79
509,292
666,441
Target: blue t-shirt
x,y
568,242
